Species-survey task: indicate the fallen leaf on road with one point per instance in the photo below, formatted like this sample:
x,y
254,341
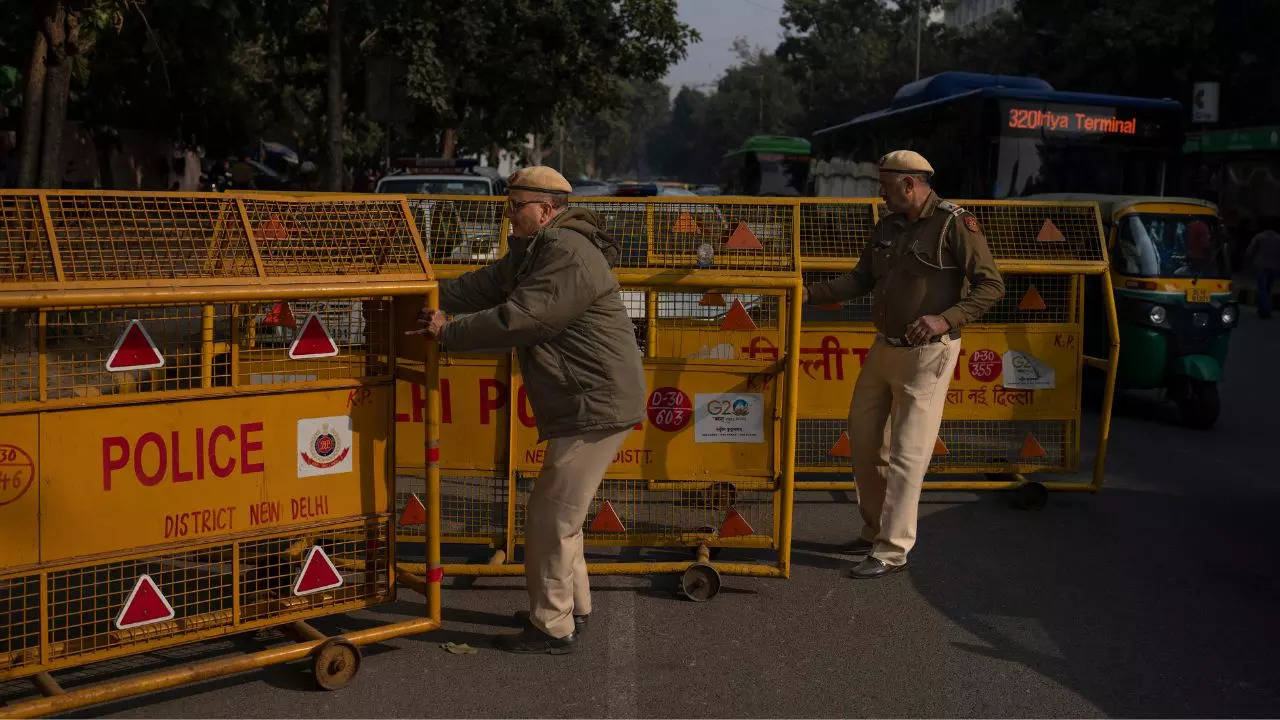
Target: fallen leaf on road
x,y
459,648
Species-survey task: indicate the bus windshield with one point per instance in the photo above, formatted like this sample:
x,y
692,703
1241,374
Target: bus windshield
x,y
1157,245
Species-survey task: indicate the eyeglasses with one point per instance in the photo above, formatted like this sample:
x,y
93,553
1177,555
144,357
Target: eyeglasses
x,y
513,205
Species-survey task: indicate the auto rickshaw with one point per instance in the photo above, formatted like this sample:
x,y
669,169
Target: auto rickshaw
x,y
1172,280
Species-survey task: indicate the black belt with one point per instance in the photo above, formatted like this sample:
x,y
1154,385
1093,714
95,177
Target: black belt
x,y
903,342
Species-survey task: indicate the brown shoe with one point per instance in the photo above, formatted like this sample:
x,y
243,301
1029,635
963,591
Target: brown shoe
x,y
873,568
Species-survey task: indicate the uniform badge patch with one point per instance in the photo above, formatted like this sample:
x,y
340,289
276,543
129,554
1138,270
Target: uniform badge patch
x,y
971,222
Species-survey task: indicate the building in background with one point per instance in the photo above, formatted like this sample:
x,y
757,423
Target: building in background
x,y
967,13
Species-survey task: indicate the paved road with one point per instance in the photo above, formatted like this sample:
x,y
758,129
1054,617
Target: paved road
x,y
1156,598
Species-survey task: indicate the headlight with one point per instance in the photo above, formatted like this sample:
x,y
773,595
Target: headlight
x,y
1157,315
1228,316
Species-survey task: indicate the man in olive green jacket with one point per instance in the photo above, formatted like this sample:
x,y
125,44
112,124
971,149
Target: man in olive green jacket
x,y
553,297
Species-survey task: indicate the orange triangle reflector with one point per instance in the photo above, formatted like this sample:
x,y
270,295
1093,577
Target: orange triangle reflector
x,y
841,448
607,521
686,224
272,229
712,299
1050,233
415,513
743,239
280,315
1033,300
735,525
1031,448
738,318
940,448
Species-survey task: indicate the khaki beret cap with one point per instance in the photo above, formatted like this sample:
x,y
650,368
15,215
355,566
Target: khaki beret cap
x,y
539,178
905,161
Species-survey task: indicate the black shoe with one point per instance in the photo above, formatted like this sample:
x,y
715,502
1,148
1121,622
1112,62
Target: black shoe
x,y
857,547
531,640
873,568
579,621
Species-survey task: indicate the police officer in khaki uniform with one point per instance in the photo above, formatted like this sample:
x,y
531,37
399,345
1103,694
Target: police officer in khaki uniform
x,y
554,298
917,263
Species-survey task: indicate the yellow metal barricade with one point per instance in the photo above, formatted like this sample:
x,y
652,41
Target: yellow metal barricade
x,y
197,429
701,279
1014,403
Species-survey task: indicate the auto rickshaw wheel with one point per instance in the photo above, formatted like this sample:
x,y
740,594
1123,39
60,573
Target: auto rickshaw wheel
x,y
1198,403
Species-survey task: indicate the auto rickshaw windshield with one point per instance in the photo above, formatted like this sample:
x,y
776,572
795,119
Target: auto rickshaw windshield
x,y
1159,245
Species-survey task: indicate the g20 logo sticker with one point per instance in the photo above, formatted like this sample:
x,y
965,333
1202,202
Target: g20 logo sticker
x,y
17,471
739,407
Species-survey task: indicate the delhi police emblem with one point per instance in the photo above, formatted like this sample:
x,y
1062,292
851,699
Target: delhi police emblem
x,y
971,222
325,448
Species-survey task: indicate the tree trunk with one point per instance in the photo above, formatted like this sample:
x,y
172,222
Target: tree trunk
x,y
449,142
59,31
33,110
334,180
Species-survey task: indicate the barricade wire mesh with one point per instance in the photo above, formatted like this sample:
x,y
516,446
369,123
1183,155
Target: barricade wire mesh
x,y
79,343
25,255
458,231
108,236
318,237
990,445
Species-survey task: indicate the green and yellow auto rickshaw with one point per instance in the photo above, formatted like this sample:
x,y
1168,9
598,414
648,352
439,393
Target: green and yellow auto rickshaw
x,y
1169,268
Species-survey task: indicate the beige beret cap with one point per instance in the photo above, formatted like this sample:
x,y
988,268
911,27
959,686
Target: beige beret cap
x,y
539,178
905,161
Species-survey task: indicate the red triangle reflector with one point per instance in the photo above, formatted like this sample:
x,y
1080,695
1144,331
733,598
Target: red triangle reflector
x,y
134,351
940,448
318,573
145,605
738,318
272,229
831,306
280,315
313,341
415,513
1031,448
735,525
743,239
686,224
607,521
841,448
712,299
1050,233
1032,300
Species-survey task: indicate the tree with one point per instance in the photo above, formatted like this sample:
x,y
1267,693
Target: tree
x,y
333,179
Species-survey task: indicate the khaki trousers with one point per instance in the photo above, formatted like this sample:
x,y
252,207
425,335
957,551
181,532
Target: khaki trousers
x,y
893,424
554,567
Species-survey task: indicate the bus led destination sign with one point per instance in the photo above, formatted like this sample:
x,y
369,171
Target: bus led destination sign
x,y
1071,121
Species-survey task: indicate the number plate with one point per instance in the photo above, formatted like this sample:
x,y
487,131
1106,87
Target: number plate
x,y
1198,295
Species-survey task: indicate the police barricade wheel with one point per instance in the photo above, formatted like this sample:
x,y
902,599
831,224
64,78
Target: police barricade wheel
x,y
700,582
335,663
1030,496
